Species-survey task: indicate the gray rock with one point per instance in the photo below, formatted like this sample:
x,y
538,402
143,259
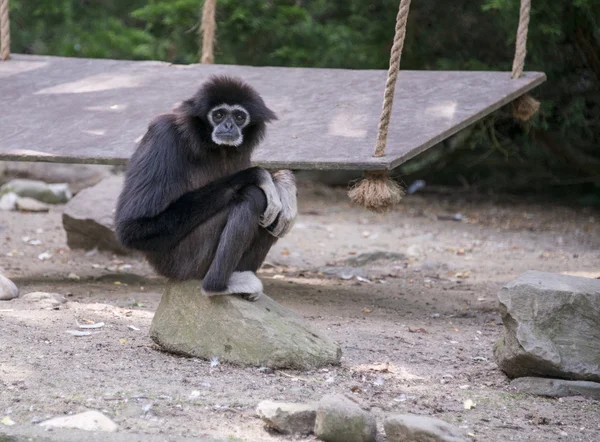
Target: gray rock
x,y
8,201
552,327
288,418
413,428
261,333
44,300
341,420
88,218
26,204
88,421
38,190
77,176
343,272
369,257
8,289
556,387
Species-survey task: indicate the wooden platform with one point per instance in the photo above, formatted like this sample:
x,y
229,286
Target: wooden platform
x,y
95,111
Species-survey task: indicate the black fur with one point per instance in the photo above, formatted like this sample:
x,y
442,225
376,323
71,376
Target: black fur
x,y
193,206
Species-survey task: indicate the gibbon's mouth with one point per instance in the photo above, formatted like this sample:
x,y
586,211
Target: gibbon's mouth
x,y
228,139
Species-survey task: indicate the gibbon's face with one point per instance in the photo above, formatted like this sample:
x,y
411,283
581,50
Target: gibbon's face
x,y
228,123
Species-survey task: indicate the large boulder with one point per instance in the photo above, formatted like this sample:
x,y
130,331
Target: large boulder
x,y
38,190
261,333
552,327
88,218
77,176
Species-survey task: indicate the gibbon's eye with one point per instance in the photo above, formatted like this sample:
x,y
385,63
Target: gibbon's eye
x,y
218,115
240,117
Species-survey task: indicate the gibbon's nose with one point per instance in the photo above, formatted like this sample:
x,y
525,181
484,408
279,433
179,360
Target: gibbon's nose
x,y
228,125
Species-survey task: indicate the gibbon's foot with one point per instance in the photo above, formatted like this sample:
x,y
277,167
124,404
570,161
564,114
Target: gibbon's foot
x,y
240,283
252,297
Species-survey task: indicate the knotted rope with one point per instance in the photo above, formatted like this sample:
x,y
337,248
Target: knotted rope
x,y
377,192
525,106
4,31
207,29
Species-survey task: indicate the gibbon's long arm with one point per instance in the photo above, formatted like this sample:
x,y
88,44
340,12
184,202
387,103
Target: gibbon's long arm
x,y
151,214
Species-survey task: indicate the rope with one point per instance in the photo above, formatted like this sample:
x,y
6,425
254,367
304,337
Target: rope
x,y
207,28
525,106
378,192
4,31
521,46
390,85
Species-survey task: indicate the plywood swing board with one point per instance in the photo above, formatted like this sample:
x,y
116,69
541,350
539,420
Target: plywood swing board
x,y
76,110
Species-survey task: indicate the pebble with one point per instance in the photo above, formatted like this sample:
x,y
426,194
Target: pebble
x,y
8,201
8,289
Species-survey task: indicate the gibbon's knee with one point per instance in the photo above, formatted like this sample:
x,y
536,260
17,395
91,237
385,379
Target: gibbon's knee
x,y
253,200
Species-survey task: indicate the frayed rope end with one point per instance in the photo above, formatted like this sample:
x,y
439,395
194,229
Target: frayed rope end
x,y
525,107
376,192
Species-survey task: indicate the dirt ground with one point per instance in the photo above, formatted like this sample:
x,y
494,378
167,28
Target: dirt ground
x,y
416,329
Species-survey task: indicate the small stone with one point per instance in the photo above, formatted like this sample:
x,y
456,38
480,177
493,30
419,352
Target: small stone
x,y
38,190
414,428
45,300
414,251
288,418
26,204
88,219
8,289
343,272
88,421
369,257
552,327
231,329
8,201
556,387
341,420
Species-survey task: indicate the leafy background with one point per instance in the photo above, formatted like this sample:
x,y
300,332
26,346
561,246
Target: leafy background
x,y
556,153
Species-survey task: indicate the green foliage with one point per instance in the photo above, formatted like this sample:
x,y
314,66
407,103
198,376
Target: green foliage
x,y
559,145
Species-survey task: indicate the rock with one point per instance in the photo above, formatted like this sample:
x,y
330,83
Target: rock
x,y
261,333
8,289
38,190
556,387
77,176
288,418
88,218
89,421
414,251
26,204
343,272
552,327
8,201
369,257
341,420
413,428
45,300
